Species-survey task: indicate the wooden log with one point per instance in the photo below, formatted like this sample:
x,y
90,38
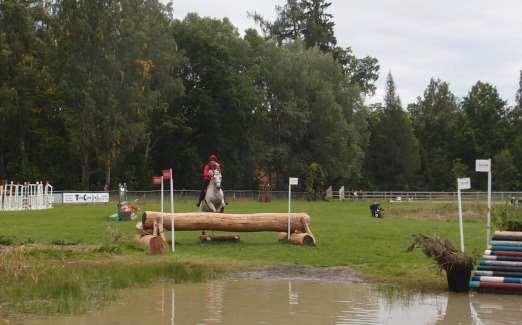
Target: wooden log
x,y
155,241
298,238
209,238
156,244
278,222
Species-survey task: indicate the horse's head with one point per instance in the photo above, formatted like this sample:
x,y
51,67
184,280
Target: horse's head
x,y
216,178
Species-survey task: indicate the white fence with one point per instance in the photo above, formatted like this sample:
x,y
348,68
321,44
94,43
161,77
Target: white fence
x,y
17,197
233,195
419,196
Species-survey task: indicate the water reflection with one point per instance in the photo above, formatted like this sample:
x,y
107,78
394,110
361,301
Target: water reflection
x,y
497,309
214,296
293,297
293,302
458,310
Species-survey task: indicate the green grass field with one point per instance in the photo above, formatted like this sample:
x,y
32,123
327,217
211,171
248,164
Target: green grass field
x,y
346,234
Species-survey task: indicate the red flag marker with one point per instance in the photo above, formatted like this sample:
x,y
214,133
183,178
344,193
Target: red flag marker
x,y
167,173
156,180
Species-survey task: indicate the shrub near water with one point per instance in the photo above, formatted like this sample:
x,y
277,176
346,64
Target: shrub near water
x,y
442,251
508,218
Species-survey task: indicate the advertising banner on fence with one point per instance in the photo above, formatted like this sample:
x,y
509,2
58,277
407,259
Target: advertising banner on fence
x,y
56,198
84,197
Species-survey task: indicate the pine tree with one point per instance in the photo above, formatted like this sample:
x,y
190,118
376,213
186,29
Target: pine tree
x,y
515,134
305,20
505,171
518,96
485,114
319,25
393,155
433,118
309,21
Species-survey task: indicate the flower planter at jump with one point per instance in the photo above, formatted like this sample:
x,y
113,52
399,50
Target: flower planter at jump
x,y
458,278
456,264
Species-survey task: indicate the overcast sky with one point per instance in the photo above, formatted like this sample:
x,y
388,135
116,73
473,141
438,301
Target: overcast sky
x,y
458,41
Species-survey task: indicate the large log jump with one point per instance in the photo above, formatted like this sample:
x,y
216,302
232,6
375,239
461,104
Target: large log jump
x,y
253,222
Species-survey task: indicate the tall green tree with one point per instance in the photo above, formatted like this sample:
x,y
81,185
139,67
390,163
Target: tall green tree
x,y
459,170
392,158
434,116
505,172
27,124
482,126
147,83
306,20
310,22
85,51
108,53
305,114
485,114
218,102
515,135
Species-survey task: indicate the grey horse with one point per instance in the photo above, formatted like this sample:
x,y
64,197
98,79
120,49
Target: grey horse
x,y
214,198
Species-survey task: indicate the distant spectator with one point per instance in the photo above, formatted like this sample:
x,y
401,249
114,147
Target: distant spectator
x,y
376,210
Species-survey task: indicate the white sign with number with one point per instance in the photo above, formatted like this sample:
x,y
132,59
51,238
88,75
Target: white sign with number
x,y
464,183
294,181
482,165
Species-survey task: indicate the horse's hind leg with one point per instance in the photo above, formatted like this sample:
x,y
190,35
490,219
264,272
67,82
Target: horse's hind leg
x,y
222,210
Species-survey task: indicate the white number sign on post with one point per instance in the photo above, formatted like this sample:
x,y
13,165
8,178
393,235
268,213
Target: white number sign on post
x,y
484,166
291,181
462,184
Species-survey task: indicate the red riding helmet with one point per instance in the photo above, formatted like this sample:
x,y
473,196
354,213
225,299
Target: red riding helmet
x,y
212,157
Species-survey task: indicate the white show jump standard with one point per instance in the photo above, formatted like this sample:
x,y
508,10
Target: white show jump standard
x,y
27,196
331,194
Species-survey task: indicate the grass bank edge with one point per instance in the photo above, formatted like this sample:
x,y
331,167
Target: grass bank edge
x,y
46,284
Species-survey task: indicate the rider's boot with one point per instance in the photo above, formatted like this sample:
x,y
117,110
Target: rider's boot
x,y
201,197
203,192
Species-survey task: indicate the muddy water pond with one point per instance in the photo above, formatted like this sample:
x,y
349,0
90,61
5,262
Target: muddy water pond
x,y
292,302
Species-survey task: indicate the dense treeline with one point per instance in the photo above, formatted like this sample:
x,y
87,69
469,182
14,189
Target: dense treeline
x,y
95,92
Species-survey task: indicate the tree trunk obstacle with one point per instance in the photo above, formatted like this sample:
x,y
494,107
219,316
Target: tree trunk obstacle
x,y
301,233
154,240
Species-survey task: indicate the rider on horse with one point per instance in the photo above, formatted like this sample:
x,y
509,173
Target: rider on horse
x,y
210,166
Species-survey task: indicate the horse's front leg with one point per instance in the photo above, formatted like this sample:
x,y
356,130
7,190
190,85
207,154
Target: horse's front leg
x,y
222,209
212,206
